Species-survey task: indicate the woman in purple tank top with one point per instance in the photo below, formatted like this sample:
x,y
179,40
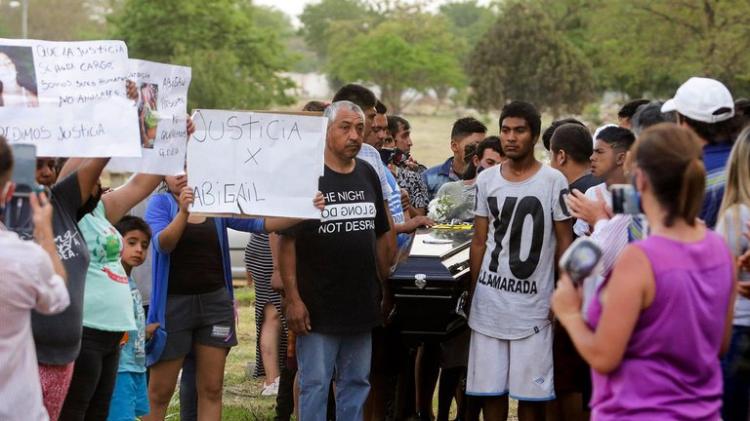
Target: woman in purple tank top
x,y
660,321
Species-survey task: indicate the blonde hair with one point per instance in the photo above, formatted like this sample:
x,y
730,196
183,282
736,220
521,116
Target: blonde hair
x,y
737,188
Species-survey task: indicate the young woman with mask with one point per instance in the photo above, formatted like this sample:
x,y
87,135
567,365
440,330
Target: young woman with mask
x,y
660,321
192,295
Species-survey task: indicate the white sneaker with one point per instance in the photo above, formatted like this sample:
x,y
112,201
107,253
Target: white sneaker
x,y
271,389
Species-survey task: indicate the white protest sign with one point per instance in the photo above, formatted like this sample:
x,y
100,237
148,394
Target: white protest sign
x,y
162,118
68,98
254,163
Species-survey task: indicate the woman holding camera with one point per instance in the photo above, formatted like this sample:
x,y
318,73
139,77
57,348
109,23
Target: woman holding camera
x,y
660,321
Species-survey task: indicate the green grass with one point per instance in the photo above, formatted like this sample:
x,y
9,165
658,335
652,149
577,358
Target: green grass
x,y
242,400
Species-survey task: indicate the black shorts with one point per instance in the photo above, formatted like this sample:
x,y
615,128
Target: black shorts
x,y
206,319
572,374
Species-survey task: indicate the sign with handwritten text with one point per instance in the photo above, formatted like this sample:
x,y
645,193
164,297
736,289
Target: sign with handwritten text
x,y
68,98
256,163
162,118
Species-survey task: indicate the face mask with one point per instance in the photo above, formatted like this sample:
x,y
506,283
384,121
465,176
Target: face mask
x,y
90,205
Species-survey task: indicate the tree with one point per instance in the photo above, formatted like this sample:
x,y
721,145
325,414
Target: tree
x,y
468,19
658,46
235,64
523,57
317,20
56,20
406,52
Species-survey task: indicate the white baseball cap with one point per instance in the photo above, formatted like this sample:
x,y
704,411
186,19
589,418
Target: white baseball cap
x,y
702,99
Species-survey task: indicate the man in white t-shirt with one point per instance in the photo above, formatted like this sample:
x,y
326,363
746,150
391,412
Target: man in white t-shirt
x,y
521,228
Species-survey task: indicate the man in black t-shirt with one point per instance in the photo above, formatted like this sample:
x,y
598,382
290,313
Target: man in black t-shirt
x,y
334,273
571,147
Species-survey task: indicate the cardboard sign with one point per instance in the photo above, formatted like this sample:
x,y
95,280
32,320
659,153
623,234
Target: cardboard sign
x,y
256,163
67,98
162,118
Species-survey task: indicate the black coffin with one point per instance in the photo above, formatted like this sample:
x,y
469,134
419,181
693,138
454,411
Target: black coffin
x,y
429,282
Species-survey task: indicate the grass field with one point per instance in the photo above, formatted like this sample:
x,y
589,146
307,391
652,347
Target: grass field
x,y
242,400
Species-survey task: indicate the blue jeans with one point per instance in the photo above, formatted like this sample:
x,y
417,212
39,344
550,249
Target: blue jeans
x,y
317,357
736,382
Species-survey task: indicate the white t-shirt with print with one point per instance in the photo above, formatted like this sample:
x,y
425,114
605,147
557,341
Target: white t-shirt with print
x,y
512,295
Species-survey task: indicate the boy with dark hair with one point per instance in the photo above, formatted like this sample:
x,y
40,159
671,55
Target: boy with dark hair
x,y
627,112
363,97
571,146
549,131
648,115
465,131
130,396
511,285
607,163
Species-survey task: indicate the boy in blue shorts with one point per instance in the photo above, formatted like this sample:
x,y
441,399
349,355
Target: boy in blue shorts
x,y
130,397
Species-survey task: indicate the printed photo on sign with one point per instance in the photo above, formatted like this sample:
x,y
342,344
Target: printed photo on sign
x,y
17,77
147,113
162,118
68,98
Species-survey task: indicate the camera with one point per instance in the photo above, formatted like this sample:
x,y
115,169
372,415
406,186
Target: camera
x,y
625,199
580,259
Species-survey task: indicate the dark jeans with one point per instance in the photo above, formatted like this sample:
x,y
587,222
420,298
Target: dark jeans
x,y
94,377
734,367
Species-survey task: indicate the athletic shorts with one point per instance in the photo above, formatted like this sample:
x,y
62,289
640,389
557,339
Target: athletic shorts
x,y
130,397
206,319
521,368
454,353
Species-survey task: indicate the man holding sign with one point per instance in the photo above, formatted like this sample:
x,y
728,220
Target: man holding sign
x,y
333,271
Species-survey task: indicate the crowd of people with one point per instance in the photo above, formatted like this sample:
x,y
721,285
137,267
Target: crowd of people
x,y
111,296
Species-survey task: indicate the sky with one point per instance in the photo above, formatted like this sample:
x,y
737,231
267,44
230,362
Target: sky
x,y
293,8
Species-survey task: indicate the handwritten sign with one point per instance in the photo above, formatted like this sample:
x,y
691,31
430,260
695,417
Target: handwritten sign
x,y
55,84
162,118
254,163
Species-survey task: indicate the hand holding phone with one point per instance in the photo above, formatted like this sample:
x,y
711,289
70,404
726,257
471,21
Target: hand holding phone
x,y
41,210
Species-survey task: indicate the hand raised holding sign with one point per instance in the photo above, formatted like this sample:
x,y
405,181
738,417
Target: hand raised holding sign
x,y
319,201
186,199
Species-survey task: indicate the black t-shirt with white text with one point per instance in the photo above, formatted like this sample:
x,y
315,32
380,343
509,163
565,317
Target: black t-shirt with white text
x,y
58,337
336,257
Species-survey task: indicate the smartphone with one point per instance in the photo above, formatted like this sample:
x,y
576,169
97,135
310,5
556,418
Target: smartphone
x,y
625,199
24,169
580,259
18,210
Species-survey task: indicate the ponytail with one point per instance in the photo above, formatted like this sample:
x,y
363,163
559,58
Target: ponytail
x,y
691,193
670,156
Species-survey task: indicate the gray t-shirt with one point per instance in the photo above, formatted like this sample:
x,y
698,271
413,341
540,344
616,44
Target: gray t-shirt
x,y
515,283
58,337
731,225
